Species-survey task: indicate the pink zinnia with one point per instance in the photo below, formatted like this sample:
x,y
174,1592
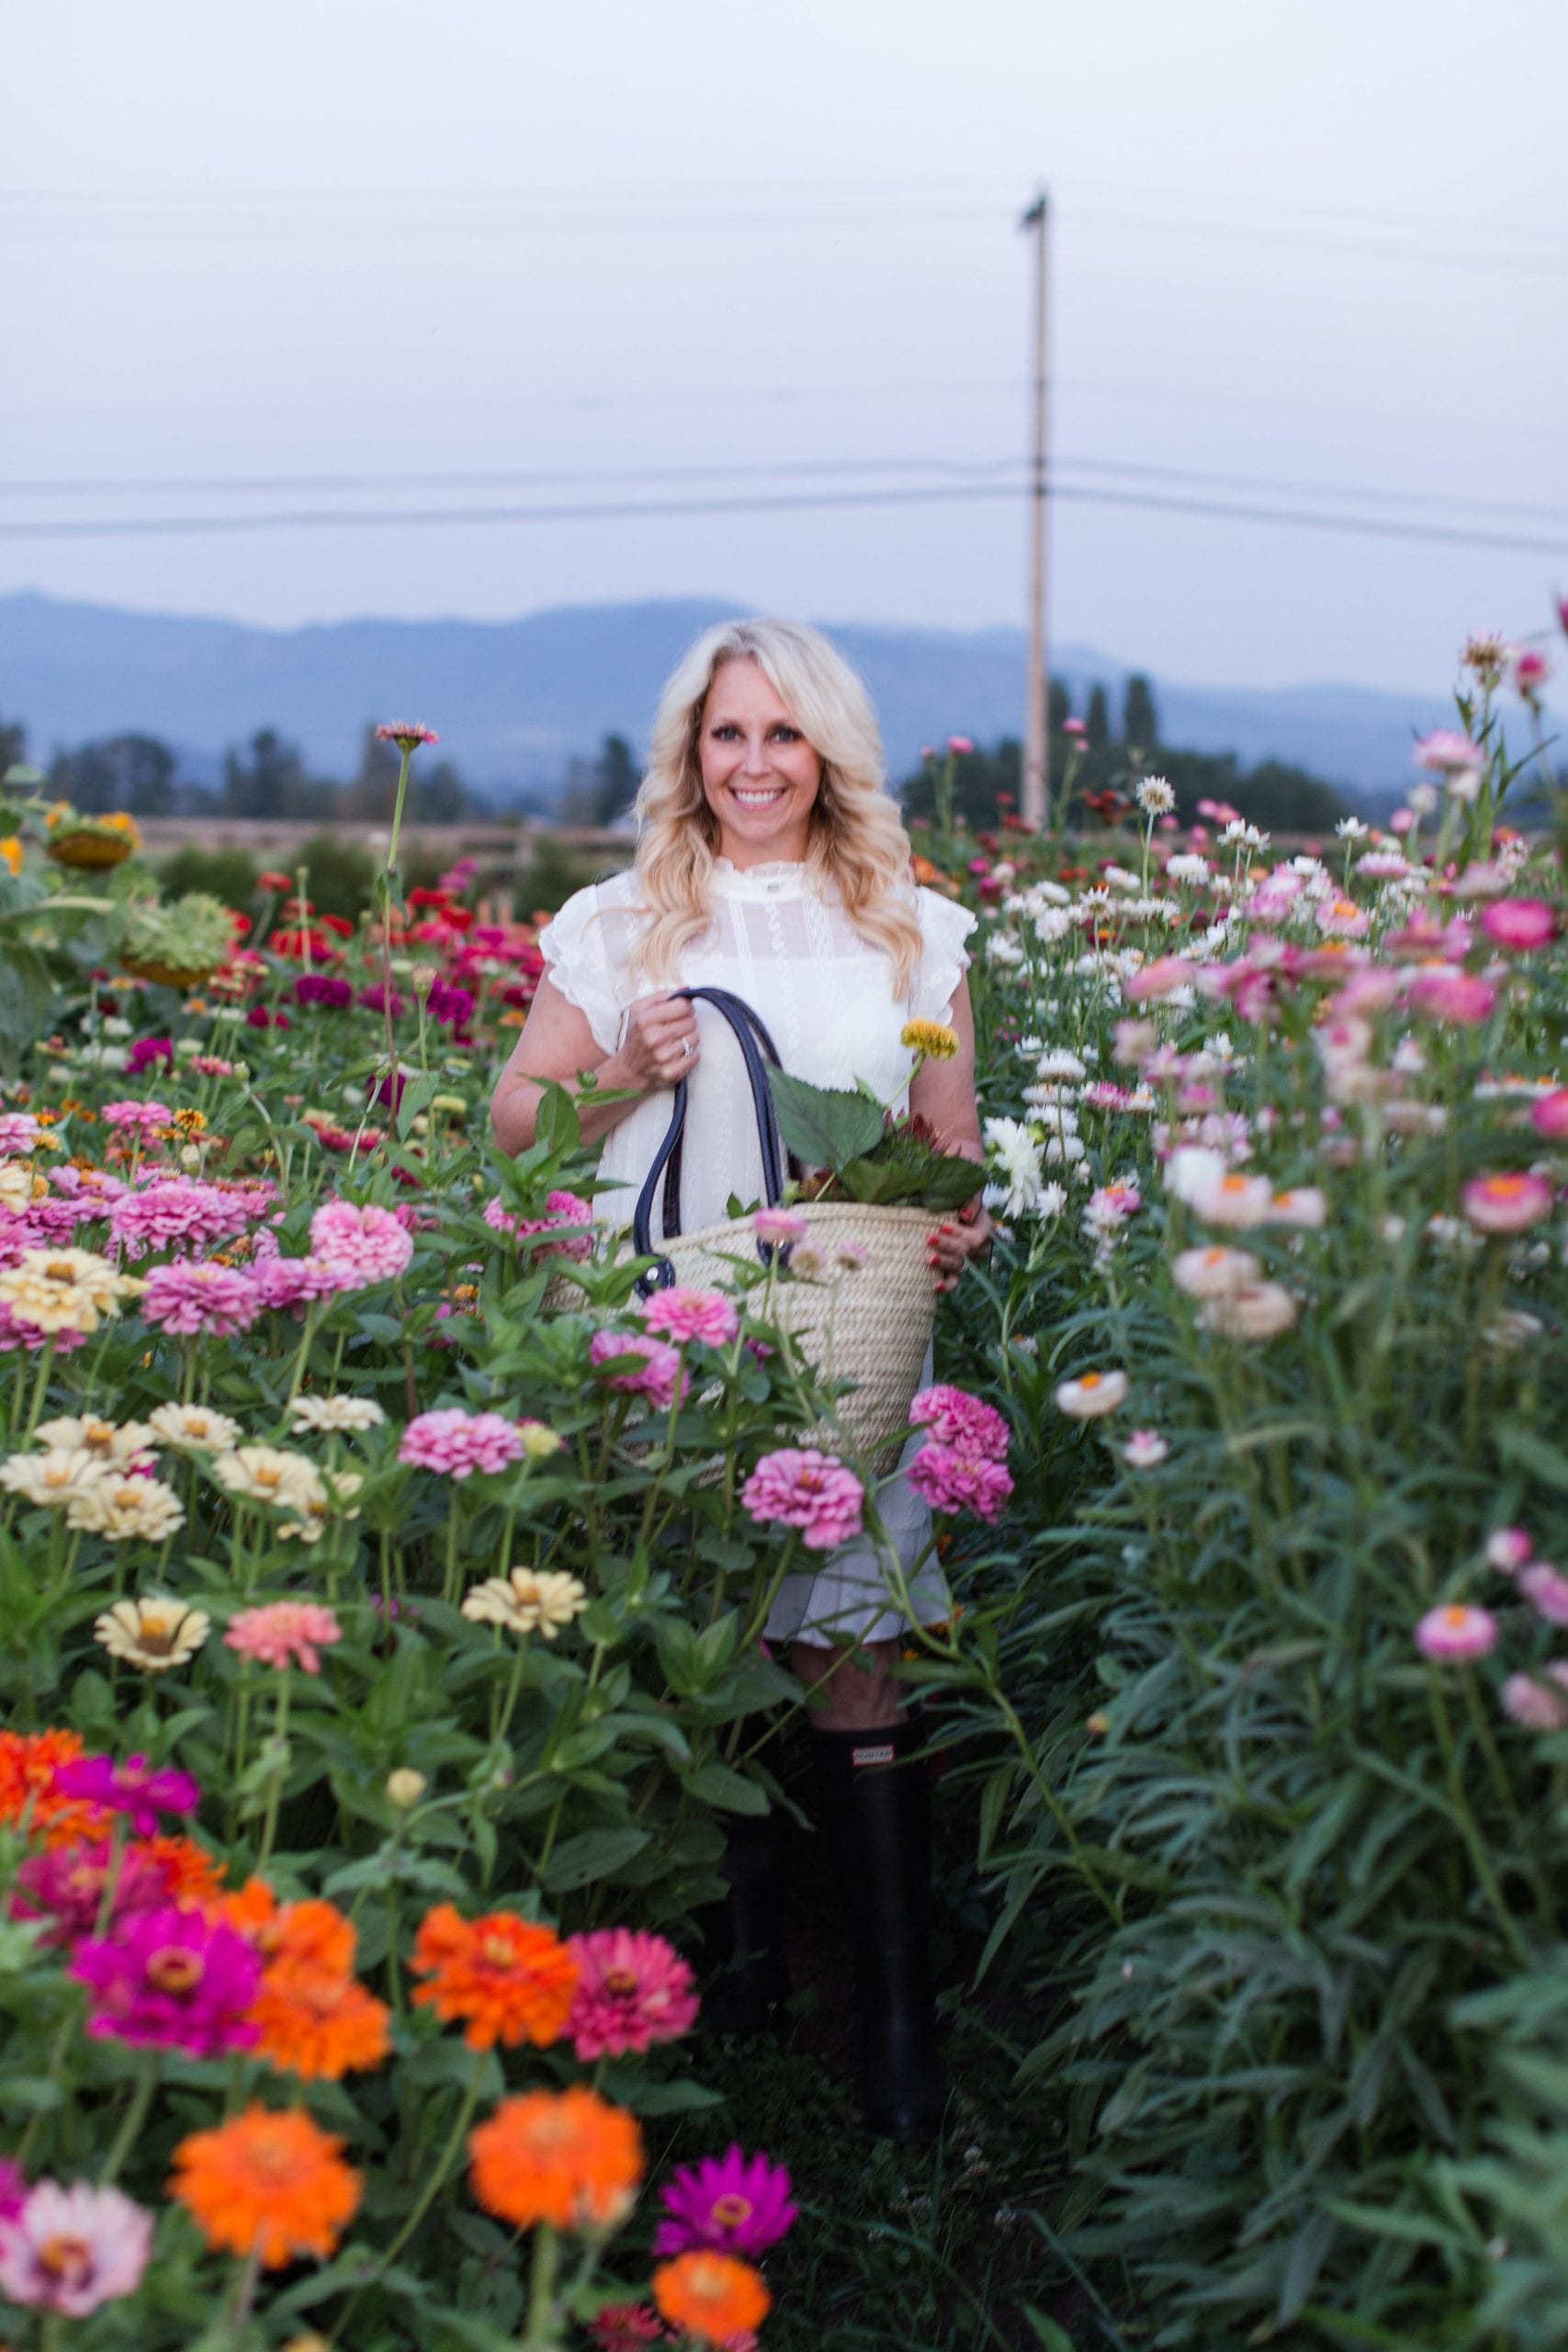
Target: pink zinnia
x,y
1548,1117
370,1240
145,1117
294,1281
568,1220
633,1989
1509,1204
683,1316
197,1296
456,1443
284,1633
65,1886
800,1487
956,1418
68,2250
651,1369
1460,996
1520,923
19,1132
949,1480
1456,1632
173,1213
142,1790
735,2203
171,1980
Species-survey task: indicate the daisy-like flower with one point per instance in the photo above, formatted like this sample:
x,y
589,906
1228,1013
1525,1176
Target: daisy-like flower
x,y
564,2157
329,1415
801,1487
1303,1206
284,1633
1212,1272
153,1632
508,1980
1156,796
934,1039
122,1446
54,1479
407,734
711,2296
268,2182
130,1509
1091,1394
633,1989
270,1474
194,1428
1509,1204
64,1290
1456,1632
70,2250
528,1601
1145,1449
733,2203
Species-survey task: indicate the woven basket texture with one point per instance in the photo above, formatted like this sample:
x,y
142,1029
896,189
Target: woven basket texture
x,y
871,1325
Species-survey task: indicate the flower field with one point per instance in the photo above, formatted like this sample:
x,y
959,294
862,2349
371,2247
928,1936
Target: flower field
x,y
382,1588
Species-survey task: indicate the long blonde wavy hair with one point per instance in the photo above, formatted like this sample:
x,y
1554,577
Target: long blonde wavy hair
x,y
857,842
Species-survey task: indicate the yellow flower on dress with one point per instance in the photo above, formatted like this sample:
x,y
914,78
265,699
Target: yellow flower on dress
x,y
932,1038
526,1601
153,1632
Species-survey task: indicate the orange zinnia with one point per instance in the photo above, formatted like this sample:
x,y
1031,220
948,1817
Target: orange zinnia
x,y
29,1761
269,2182
567,2157
191,1875
512,1981
313,2017
710,2295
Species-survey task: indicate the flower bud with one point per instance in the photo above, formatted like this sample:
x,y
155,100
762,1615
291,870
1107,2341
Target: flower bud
x,y
539,1441
422,979
405,1787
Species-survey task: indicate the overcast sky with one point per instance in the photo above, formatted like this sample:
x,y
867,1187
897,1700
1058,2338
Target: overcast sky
x,y
1301,258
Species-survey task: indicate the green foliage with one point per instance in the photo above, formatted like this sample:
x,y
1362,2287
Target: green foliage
x,y
228,874
848,1136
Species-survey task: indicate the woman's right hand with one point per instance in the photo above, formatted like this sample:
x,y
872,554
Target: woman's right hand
x,y
661,1046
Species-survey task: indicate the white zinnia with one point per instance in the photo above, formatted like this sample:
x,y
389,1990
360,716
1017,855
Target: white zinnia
x,y
193,1426
55,1478
127,1509
335,1413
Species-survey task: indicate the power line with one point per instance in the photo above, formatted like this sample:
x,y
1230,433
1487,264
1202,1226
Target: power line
x,y
394,518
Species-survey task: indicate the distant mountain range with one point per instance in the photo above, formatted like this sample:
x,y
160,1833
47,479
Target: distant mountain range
x,y
514,700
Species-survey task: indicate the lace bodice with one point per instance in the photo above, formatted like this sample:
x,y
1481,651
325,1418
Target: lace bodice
x,y
784,945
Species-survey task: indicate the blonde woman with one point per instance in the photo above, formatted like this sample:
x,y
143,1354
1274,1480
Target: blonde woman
x,y
772,861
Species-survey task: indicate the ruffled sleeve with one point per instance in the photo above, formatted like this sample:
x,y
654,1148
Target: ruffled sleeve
x,y
578,960
944,958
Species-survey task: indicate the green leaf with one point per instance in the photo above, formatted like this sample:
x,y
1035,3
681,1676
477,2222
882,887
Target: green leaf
x,y
597,1854
822,1126
1525,1451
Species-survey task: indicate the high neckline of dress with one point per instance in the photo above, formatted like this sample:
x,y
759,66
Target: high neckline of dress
x,y
786,878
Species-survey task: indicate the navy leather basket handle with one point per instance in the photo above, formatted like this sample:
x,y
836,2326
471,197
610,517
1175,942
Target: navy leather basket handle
x,y
754,1043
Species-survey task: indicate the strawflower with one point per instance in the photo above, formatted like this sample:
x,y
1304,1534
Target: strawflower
x,y
733,2203
564,2157
633,1989
1145,1449
1530,1702
1520,924
284,1633
1509,1549
508,1980
267,2182
1251,1311
780,1227
170,1979
1546,1589
70,2250
710,2295
1507,1203
802,1488
1456,1632
1091,1394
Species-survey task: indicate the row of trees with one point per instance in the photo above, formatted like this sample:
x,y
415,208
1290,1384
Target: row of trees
x,y
1106,767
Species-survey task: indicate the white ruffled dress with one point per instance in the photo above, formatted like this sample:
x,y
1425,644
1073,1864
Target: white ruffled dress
x,y
784,944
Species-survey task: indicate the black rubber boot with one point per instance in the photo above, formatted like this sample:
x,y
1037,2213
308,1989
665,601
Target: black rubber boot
x,y
743,1938
875,1810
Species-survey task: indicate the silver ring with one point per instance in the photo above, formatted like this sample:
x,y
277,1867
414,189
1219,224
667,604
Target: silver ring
x,y
685,1049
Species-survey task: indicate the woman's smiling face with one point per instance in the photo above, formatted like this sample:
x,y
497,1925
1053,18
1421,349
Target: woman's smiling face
x,y
761,776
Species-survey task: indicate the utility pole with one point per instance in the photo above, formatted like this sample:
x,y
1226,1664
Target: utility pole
x,y
1036,726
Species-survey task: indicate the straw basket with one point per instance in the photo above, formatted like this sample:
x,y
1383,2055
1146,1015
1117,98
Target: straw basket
x,y
858,1300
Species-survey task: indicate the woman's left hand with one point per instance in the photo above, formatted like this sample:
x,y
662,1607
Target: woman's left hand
x,y
966,1235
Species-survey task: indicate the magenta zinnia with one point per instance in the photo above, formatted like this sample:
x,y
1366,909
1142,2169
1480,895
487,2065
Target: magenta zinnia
x,y
134,1787
732,2204
633,1989
171,1980
799,1487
